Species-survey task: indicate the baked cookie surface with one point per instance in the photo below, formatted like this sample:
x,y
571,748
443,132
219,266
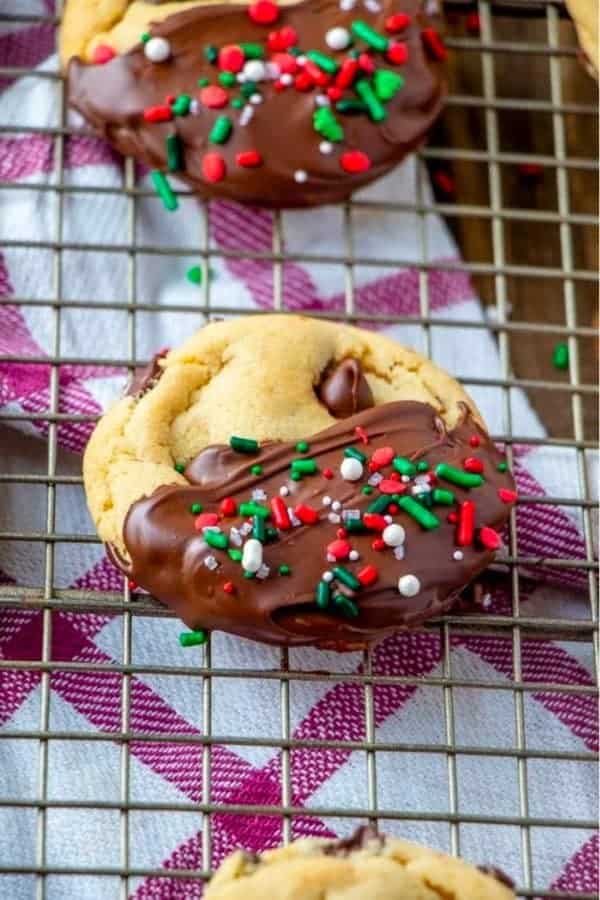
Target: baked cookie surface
x,y
285,105
247,480
366,866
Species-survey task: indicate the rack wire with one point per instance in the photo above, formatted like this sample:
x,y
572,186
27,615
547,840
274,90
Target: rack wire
x,y
555,42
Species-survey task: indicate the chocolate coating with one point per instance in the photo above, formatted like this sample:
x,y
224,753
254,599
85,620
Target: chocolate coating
x,y
168,555
364,836
344,390
113,97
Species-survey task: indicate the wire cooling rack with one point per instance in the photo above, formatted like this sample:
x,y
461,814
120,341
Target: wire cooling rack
x,y
554,44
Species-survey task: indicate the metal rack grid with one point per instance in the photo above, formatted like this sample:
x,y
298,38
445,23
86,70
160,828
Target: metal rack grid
x,y
517,626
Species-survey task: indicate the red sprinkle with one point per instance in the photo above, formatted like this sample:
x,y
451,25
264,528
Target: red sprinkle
x,y
395,476
214,96
283,39
303,82
280,86
473,23
489,538
286,62
213,167
231,58
228,506
397,53
368,575
393,508
382,457
328,473
347,73
466,524
318,76
339,549
378,544
334,93
445,182
157,114
397,22
204,520
280,514
474,440
387,486
355,161
229,587
132,585
472,464
306,514
506,495
249,159
102,54
263,12
434,44
452,518
170,99
362,434
374,521
342,533
366,63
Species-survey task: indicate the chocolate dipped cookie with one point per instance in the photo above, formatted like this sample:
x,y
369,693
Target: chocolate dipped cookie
x,y
271,104
366,866
326,490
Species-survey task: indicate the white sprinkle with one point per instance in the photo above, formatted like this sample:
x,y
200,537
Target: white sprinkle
x,y
334,518
354,555
388,519
287,79
273,71
405,479
458,555
254,70
157,49
252,555
351,514
330,558
351,469
256,99
263,572
301,60
241,77
211,563
422,479
325,147
393,535
399,552
300,176
486,601
409,585
210,528
235,537
246,115
246,528
293,518
259,494
322,100
194,107
375,478
284,490
326,501
336,505
346,5
327,576
373,6
338,38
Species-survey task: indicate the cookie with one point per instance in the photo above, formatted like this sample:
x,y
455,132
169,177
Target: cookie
x,y
585,15
322,490
367,866
286,105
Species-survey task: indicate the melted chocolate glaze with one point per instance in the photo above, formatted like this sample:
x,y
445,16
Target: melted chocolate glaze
x,y
113,96
168,555
364,836
146,377
344,390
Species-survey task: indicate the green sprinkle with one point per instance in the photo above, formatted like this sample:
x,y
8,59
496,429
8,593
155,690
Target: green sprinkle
x,y
425,499
367,489
211,53
248,88
502,467
304,466
353,453
237,103
296,476
404,466
380,504
295,51
284,570
351,106
258,528
254,509
375,107
347,578
203,82
323,594
179,467
182,104
235,555
302,447
387,84
354,54
326,124
345,605
193,638
560,356
249,574
221,130
252,51
447,498
371,37
174,154
256,470
324,62
145,37
216,539
243,445
164,191
196,508
457,476
227,79
416,511
272,534
194,275
355,526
